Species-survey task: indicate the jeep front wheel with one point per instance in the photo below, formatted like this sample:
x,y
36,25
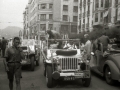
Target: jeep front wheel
x,y
32,66
49,79
86,82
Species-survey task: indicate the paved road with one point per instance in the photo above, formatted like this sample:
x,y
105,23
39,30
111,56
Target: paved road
x,y
36,81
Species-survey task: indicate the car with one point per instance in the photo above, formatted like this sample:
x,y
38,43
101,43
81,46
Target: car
x,y
108,64
65,64
32,55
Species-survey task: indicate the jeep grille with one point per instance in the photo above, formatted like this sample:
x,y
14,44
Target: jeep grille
x,y
69,63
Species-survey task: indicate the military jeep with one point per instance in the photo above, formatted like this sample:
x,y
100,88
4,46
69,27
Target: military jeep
x,y
31,54
65,64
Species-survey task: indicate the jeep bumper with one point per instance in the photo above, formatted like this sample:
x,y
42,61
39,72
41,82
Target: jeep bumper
x,y
57,75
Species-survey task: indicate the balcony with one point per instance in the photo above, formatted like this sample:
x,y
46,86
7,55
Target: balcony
x,y
99,23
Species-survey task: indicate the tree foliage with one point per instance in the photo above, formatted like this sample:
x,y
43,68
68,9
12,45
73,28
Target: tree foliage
x,y
96,33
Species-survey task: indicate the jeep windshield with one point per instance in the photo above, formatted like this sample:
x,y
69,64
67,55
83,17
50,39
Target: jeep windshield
x,y
63,43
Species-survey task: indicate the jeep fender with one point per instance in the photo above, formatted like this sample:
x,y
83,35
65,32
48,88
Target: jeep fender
x,y
114,69
49,62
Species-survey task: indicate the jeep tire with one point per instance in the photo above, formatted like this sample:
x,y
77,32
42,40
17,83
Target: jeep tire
x,y
49,80
86,82
32,65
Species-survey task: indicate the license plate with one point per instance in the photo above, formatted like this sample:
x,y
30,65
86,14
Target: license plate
x,y
69,78
79,74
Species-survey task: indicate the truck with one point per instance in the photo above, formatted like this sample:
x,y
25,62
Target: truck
x,y
31,52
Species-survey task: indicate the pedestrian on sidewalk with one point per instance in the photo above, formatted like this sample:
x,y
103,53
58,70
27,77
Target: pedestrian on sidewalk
x,y
10,42
3,47
12,62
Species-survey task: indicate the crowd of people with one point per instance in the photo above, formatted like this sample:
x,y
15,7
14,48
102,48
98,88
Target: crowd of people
x,y
4,43
98,46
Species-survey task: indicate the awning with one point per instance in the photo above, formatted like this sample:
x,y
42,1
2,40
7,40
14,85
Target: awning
x,y
105,13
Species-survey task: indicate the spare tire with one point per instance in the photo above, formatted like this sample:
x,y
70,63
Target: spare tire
x,y
66,52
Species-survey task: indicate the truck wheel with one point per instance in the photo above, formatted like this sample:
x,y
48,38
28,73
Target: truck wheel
x,y
49,80
86,82
108,77
32,66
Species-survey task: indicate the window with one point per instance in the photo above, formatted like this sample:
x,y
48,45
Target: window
x,y
96,17
75,18
73,29
96,3
50,26
65,7
107,3
65,18
75,9
75,0
42,27
50,6
101,16
88,9
88,0
50,16
83,20
88,20
43,6
43,17
101,3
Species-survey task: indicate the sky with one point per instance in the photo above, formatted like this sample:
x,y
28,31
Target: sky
x,y
11,13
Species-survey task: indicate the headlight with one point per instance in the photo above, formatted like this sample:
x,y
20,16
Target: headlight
x,y
80,60
83,66
56,60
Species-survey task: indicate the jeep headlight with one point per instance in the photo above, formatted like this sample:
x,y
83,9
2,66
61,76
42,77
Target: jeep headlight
x,y
56,60
80,60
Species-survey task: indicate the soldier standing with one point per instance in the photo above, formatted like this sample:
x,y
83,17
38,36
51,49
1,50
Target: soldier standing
x,y
13,56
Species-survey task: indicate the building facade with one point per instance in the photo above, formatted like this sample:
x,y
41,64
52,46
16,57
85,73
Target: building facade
x,y
25,23
59,15
65,15
85,15
106,13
